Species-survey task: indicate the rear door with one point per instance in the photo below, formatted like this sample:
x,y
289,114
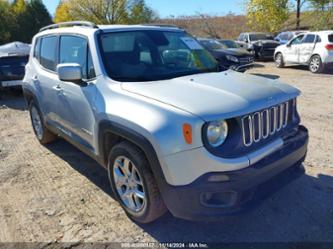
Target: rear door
x,y
45,78
306,48
76,105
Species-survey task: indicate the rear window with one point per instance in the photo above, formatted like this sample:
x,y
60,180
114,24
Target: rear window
x,y
330,38
14,60
37,49
48,50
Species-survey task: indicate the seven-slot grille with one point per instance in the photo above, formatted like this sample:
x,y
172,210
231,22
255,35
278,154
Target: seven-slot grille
x,y
262,124
246,59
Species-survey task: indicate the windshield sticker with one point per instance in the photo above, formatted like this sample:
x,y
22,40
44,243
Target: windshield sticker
x,y
191,43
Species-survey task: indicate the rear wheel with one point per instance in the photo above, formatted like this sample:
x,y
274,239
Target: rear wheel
x,y
133,183
279,62
43,135
315,64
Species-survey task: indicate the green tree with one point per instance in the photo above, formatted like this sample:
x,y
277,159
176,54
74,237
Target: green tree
x,y
140,13
6,21
104,11
267,15
63,13
29,18
324,13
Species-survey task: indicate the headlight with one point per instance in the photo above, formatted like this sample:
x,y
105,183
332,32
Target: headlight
x,y
217,132
231,58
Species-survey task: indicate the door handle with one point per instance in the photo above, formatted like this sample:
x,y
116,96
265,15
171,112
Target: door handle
x,y
34,78
57,88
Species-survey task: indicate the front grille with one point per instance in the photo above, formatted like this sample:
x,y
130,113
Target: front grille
x,y
265,123
246,59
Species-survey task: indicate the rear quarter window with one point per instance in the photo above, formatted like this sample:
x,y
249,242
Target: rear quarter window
x,y
330,38
48,52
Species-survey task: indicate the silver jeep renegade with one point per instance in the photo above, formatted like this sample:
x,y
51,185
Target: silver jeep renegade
x,y
174,131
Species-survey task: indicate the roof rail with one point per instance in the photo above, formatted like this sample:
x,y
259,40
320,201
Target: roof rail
x,y
70,24
161,25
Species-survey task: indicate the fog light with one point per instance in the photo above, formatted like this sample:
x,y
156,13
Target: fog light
x,y
220,199
218,178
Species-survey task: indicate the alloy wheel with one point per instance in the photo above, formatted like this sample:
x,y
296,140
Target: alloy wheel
x,y
37,122
314,64
129,185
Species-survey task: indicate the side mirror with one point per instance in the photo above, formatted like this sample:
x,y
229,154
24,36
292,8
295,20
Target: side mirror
x,y
288,44
70,72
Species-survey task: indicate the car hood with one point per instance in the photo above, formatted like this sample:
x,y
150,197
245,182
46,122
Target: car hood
x,y
214,96
233,51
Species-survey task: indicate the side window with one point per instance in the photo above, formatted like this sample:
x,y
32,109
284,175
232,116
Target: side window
x,y
240,38
74,49
48,58
309,39
90,66
37,49
297,40
318,39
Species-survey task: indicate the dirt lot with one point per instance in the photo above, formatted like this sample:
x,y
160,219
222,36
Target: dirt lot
x,y
56,193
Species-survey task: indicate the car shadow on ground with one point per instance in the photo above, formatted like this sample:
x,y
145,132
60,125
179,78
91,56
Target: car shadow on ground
x,y
13,99
82,163
306,68
300,211
269,76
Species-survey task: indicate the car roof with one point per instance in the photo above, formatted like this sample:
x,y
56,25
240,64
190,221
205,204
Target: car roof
x,y
117,27
323,32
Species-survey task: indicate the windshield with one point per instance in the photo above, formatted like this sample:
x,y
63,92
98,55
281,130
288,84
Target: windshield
x,y
260,36
150,55
212,44
229,43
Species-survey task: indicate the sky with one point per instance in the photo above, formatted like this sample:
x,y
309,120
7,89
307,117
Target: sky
x,y
167,8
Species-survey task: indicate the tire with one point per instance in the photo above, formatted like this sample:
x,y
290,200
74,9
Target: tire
x,y
148,205
316,65
43,135
279,62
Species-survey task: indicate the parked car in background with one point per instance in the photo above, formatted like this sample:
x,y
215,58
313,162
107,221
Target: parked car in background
x,y
285,36
263,45
314,49
153,107
13,58
230,55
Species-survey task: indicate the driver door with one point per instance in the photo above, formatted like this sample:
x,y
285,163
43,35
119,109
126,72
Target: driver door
x,y
292,50
77,99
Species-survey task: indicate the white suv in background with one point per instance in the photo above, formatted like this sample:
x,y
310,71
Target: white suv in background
x,y
314,49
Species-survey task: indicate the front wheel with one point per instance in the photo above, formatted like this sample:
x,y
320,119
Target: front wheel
x,y
133,183
316,65
279,62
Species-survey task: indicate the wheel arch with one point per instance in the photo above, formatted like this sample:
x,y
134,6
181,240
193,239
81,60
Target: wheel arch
x,y
111,133
313,55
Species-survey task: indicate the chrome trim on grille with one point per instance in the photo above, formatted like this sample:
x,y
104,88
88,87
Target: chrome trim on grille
x,y
246,143
260,125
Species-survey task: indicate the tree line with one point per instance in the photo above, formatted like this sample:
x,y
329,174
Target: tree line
x,y
20,20
273,15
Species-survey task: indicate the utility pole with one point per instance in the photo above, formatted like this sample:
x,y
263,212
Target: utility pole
x,y
298,14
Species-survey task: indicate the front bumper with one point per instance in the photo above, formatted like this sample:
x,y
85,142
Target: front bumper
x,y
10,83
215,195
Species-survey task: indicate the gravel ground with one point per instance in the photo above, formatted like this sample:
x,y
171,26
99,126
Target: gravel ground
x,y
57,194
